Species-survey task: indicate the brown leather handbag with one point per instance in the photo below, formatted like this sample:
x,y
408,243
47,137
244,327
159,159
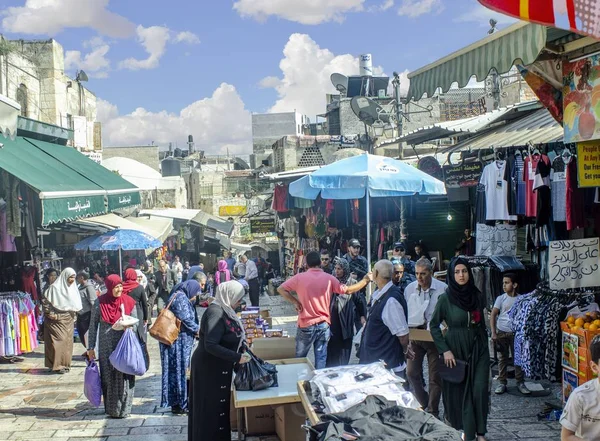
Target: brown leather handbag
x,y
166,326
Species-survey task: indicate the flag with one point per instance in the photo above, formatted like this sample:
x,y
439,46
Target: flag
x,y
573,15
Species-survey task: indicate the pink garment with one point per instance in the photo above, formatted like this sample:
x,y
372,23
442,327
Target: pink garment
x,y
314,288
7,242
222,269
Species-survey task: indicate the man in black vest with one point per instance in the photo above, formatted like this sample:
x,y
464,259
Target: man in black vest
x,y
385,336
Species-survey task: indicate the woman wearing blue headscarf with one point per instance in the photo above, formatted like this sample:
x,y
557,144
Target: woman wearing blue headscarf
x,y
175,359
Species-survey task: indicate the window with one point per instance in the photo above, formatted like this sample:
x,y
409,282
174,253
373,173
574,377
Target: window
x,y
22,99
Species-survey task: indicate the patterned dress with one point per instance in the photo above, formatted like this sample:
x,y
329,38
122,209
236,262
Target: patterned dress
x,y
117,387
175,359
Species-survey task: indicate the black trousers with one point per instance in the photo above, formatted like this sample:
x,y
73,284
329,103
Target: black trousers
x,y
83,325
254,285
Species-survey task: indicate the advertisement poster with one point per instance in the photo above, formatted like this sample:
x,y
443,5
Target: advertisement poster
x,y
581,99
463,175
574,263
570,383
570,351
588,164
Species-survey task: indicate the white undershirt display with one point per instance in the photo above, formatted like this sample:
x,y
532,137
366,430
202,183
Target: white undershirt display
x,y
496,191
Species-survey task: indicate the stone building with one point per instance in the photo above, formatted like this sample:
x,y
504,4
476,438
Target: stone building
x,y
146,154
33,74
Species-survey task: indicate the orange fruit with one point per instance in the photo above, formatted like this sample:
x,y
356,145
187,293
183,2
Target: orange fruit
x,y
597,322
579,322
571,320
593,327
586,326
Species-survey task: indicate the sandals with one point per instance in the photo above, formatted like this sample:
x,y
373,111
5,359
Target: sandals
x,y
11,360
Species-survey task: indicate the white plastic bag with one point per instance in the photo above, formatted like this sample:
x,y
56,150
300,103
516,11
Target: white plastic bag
x,y
125,321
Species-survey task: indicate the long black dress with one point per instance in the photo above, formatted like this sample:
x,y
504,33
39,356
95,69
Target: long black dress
x,y
141,307
211,373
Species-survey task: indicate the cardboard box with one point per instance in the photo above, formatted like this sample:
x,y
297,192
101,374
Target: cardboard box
x,y
420,335
289,420
275,348
585,336
569,384
570,351
584,369
260,420
265,313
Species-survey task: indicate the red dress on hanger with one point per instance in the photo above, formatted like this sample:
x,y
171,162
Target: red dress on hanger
x,y
28,284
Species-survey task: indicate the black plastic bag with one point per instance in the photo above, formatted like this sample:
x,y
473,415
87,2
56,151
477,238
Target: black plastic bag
x,y
255,375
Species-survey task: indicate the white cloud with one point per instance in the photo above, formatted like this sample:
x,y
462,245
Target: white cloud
x,y
415,8
94,63
154,39
187,37
308,12
49,17
481,15
219,123
306,70
388,4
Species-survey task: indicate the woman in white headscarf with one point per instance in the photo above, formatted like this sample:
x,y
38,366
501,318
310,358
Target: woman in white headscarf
x,y
60,304
221,335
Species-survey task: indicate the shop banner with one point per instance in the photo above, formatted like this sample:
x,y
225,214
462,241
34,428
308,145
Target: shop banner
x,y
71,208
499,240
581,100
233,210
588,164
573,15
262,226
122,200
574,263
463,175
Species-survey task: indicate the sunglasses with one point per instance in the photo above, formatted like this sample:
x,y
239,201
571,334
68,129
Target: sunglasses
x,y
399,249
356,247
324,259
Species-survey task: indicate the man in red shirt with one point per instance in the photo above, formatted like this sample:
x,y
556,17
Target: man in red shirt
x,y
314,289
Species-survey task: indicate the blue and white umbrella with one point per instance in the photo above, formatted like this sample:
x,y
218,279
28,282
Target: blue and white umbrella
x,y
114,240
366,175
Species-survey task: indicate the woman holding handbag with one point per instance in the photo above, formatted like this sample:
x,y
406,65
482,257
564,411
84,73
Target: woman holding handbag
x,y
465,392
175,359
117,388
221,336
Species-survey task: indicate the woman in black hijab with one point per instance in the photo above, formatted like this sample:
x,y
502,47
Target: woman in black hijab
x,y
466,405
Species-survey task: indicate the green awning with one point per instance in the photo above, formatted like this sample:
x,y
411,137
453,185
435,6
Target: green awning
x,y
65,194
120,192
521,43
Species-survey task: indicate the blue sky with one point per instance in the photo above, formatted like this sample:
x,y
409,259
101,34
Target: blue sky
x,y
222,60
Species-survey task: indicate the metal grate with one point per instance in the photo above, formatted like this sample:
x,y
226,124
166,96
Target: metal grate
x,y
311,157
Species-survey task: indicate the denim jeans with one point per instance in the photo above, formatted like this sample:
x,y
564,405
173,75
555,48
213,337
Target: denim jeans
x,y
317,336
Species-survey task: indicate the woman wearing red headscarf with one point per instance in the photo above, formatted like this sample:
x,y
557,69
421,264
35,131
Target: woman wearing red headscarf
x,y
117,387
133,288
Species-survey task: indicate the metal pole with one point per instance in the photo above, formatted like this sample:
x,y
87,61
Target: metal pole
x,y
396,83
368,228
120,264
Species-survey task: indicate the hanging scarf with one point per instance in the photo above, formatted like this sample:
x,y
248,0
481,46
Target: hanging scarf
x,y
62,296
130,282
228,294
466,297
222,268
345,266
144,281
110,306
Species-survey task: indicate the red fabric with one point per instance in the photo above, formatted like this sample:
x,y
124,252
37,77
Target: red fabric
x,y
28,281
314,288
280,198
329,207
530,165
130,282
540,11
575,199
110,306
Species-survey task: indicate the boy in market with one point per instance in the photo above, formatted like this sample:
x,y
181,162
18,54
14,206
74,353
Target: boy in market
x,y
503,335
580,419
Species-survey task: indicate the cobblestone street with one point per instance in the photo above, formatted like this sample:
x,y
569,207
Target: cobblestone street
x,y
37,406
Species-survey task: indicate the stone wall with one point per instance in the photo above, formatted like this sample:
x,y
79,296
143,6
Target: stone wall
x,y
147,154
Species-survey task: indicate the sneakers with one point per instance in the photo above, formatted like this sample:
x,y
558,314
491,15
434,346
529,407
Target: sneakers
x,y
500,389
523,389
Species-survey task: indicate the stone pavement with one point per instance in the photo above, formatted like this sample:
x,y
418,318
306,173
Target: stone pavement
x,y
35,405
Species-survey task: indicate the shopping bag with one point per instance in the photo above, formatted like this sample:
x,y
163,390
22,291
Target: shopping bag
x,y
255,375
128,356
92,385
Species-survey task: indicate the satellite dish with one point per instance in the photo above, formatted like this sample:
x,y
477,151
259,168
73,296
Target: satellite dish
x,y
367,110
340,82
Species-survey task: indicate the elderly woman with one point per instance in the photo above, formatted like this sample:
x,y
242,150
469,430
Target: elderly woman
x,y
175,359
117,387
343,310
221,335
466,404
60,303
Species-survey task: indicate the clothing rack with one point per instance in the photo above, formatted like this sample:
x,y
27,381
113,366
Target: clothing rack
x,y
17,316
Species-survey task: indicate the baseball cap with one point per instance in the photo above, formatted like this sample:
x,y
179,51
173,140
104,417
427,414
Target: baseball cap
x,y
354,243
399,245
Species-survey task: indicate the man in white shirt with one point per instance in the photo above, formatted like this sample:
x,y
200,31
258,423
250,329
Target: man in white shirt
x,y
421,298
178,268
385,336
252,279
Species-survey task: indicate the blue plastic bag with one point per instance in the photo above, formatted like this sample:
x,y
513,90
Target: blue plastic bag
x,y
92,385
128,356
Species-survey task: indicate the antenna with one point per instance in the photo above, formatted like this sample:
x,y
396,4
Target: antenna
x,y
368,111
340,82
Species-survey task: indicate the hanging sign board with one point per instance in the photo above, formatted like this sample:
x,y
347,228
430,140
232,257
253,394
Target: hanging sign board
x,y
262,226
498,240
233,210
463,175
574,263
588,164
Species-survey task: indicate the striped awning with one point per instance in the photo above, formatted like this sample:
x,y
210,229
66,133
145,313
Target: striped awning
x,y
521,42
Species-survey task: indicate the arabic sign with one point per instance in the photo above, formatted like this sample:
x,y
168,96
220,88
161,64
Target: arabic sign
x,y
588,164
499,240
233,210
262,226
463,175
574,263
116,201
68,209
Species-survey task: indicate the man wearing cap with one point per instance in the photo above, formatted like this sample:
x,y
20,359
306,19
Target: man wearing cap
x,y
360,268
399,256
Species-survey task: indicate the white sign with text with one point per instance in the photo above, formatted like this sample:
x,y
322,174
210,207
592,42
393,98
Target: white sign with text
x,y
574,263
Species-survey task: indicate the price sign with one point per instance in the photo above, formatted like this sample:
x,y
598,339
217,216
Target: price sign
x,y
574,263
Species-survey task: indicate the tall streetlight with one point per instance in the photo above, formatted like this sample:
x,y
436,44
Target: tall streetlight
x,y
396,84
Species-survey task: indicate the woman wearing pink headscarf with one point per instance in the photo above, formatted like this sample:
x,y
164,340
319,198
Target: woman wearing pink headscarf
x,y
223,274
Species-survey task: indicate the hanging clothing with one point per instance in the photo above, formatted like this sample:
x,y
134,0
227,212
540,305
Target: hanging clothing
x,y
280,194
7,241
496,191
558,177
518,168
529,166
18,324
575,199
541,186
28,281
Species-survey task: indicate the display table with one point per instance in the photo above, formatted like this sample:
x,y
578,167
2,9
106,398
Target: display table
x,y
305,394
289,372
